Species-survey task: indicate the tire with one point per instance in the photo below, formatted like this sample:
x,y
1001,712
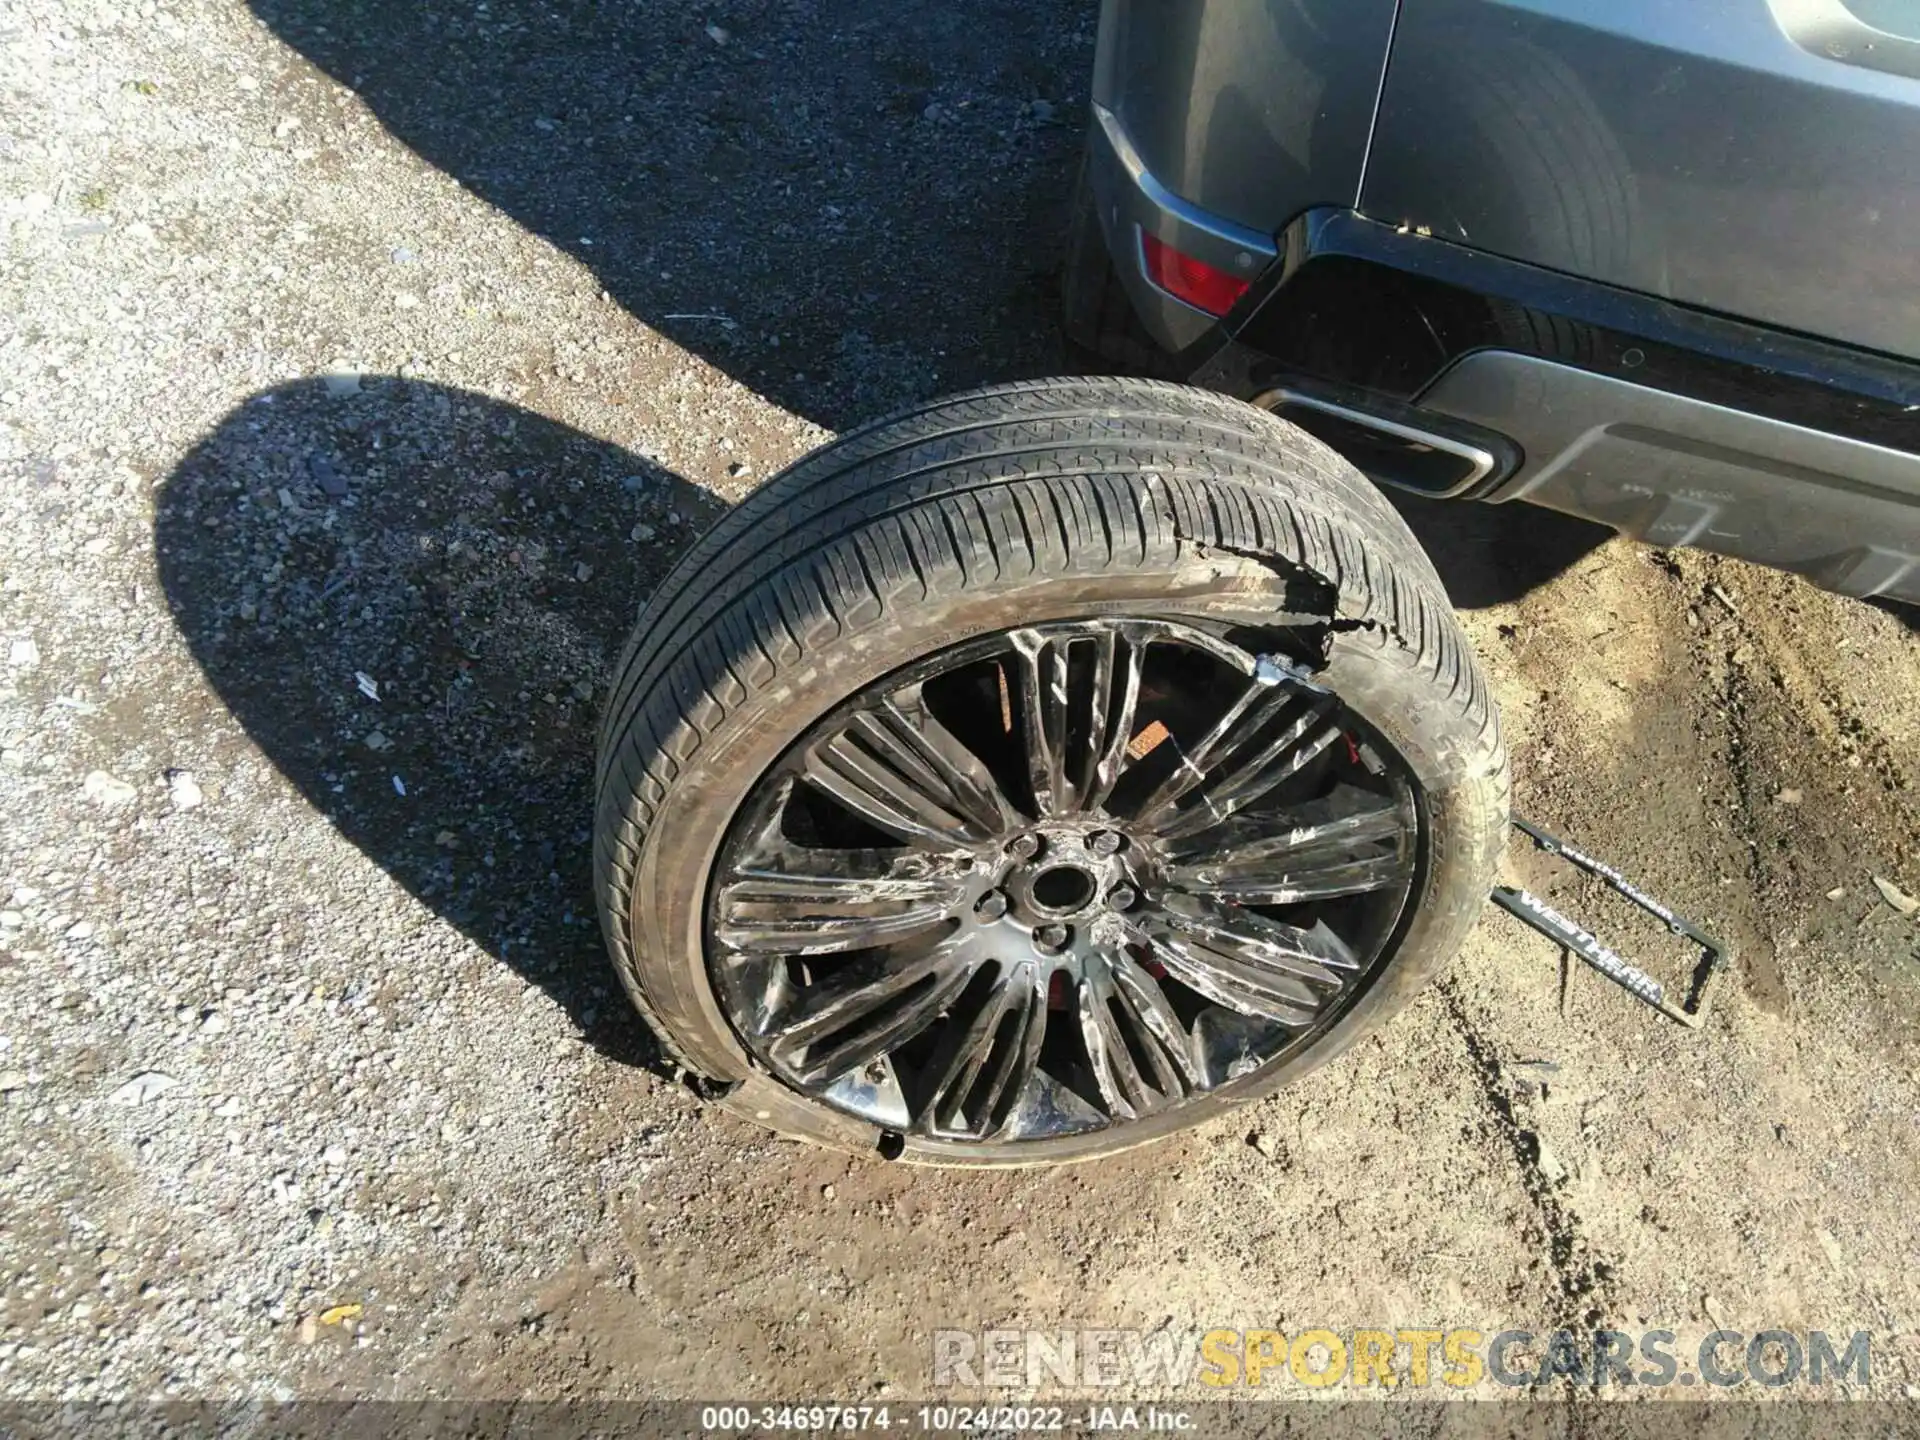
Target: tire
x,y
1177,528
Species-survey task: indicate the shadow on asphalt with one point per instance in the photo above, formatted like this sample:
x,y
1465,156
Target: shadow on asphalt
x,y
478,564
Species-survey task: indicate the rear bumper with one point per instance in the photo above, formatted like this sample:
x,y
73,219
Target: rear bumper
x,y
1131,202
1675,471
1676,426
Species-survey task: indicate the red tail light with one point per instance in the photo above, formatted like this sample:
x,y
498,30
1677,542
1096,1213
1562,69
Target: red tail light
x,y
1201,285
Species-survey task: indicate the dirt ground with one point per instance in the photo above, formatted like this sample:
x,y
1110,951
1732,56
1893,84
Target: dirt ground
x,y
411,342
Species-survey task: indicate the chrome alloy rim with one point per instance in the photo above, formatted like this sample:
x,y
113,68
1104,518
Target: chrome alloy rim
x,y
1061,879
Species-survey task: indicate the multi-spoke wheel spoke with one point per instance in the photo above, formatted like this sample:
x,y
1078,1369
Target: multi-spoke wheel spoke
x,y
987,1060
867,905
1078,693
855,1018
1317,859
897,767
1141,1054
1278,734
1061,879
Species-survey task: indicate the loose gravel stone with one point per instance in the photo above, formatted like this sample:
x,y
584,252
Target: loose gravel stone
x,y
104,789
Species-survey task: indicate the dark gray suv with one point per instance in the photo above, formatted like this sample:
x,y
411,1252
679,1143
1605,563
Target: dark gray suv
x,y
1650,263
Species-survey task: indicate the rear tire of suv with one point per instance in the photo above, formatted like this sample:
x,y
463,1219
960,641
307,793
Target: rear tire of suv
x,y
1039,773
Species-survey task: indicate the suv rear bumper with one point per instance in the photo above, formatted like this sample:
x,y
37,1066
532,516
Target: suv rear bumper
x,y
1674,425
1675,471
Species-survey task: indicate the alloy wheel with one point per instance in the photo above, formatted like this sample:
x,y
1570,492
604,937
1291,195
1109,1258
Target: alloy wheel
x,y
1061,879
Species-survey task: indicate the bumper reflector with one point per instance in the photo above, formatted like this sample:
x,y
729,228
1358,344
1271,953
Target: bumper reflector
x,y
1201,285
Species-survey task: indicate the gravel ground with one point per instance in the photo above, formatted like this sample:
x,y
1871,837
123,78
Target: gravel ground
x,y
364,367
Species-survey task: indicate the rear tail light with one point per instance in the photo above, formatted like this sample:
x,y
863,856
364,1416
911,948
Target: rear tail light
x,y
1203,286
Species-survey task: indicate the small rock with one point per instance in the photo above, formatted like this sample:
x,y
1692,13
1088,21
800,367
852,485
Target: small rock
x,y
826,1192
1832,1247
1839,892
331,482
103,789
341,379
334,1155
23,654
1714,1313
719,34
583,572
1788,797
1266,1144
1042,111
308,1330
932,112
183,790
1550,1167
377,741
739,468
147,1085
642,533
80,930
1895,896
213,1023
12,1080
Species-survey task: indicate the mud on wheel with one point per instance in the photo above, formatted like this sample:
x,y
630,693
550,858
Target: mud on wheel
x,y
1040,772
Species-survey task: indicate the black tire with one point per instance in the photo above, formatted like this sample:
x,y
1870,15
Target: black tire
x,y
1042,501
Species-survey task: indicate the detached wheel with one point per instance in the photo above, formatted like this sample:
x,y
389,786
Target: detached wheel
x,y
1041,772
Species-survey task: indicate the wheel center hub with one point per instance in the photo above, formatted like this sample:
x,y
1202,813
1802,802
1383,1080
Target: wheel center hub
x,y
1062,891
1054,886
